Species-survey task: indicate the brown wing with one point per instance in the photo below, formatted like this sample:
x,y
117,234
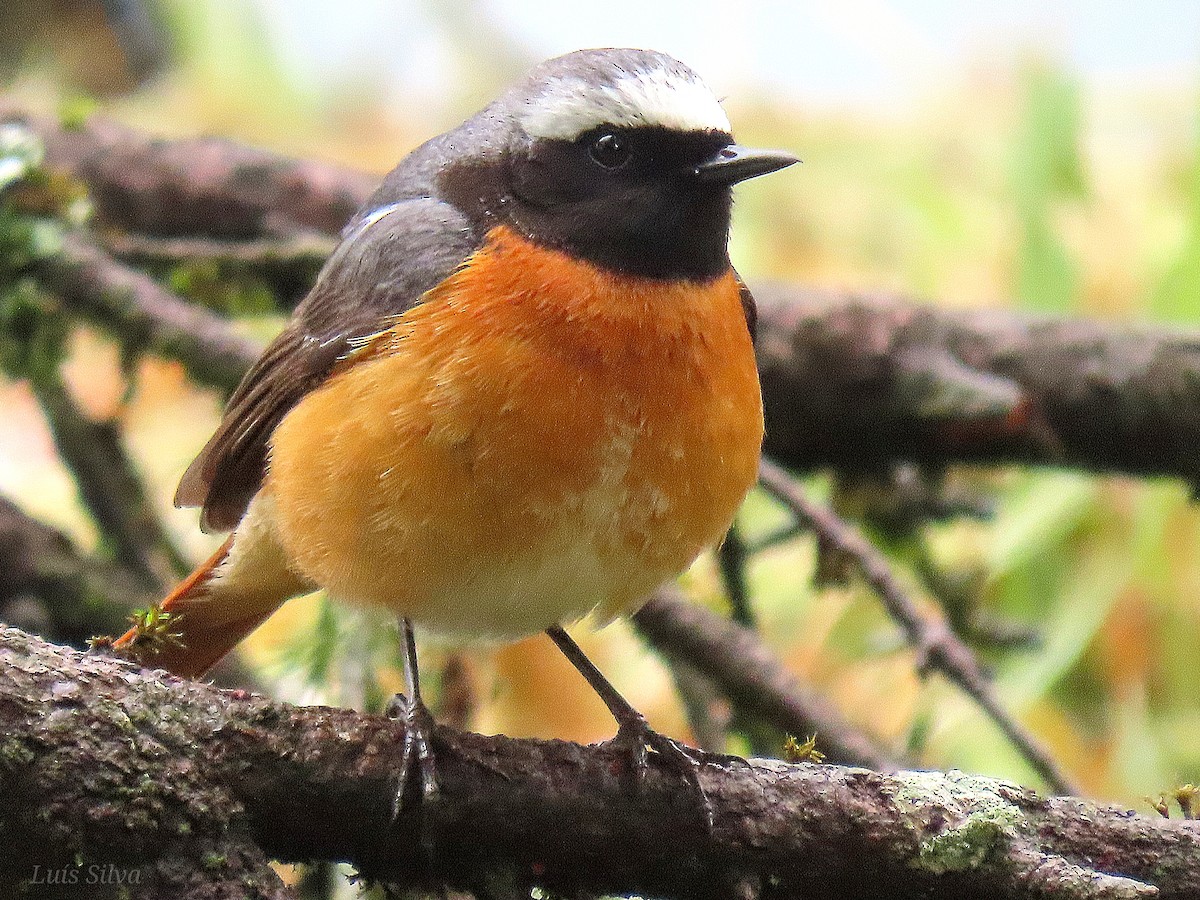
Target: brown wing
x,y
386,263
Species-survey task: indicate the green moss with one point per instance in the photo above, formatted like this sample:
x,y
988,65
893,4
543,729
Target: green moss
x,y
969,844
15,754
213,862
796,751
31,332
155,628
960,821
227,288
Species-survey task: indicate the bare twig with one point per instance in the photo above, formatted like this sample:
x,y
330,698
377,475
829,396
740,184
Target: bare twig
x,y
457,702
751,676
298,251
938,648
731,557
704,704
174,779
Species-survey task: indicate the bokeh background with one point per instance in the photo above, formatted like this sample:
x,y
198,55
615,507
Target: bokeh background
x,y
1028,156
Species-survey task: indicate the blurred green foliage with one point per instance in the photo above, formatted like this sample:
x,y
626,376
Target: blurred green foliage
x,y
1046,173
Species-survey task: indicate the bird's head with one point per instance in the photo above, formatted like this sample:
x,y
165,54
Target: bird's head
x,y
624,158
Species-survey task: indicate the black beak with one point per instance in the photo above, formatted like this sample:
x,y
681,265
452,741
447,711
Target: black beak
x,y
737,163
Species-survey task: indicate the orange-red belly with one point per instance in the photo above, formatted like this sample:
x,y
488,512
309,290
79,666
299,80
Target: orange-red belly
x,y
537,439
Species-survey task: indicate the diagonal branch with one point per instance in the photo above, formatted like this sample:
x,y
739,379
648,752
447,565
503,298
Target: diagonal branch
x,y
751,676
109,483
938,648
105,764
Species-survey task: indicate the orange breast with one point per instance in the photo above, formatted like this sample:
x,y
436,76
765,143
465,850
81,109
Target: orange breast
x,y
536,439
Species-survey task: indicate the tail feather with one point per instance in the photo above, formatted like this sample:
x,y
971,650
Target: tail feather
x,y
210,612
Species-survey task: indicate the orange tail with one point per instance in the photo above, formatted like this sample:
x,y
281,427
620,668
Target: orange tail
x,y
211,611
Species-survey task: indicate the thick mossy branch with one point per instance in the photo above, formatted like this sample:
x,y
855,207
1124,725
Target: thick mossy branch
x,y
103,763
198,186
858,382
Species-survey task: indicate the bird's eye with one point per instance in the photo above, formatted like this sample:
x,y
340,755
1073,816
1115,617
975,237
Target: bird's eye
x,y
609,150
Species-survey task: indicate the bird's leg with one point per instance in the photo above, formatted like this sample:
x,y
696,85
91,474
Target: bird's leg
x,y
633,731
418,728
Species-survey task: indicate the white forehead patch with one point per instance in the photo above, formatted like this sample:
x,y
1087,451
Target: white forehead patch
x,y
570,106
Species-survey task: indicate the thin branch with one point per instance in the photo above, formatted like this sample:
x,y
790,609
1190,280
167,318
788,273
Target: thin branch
x,y
751,676
102,763
731,558
938,648
704,704
298,251
143,315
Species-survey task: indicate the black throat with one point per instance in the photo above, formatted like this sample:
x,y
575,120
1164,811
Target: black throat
x,y
652,218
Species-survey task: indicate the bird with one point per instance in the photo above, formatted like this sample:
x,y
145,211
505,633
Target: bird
x,y
521,390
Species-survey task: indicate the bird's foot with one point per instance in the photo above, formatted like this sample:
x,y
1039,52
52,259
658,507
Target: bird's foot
x,y
636,737
417,755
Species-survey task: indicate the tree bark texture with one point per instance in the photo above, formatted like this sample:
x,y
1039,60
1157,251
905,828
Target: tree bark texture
x,y
193,788
859,382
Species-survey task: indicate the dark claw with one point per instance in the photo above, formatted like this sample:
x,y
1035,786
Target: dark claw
x,y
636,737
417,752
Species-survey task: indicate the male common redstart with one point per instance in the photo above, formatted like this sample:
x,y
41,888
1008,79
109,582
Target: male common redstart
x,y
523,388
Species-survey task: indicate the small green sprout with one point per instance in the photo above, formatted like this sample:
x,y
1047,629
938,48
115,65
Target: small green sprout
x,y
1188,798
154,630
795,751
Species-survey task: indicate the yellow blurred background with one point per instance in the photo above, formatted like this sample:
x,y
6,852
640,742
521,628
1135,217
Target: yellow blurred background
x,y
1039,157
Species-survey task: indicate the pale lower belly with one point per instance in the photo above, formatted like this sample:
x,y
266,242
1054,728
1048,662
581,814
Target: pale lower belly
x,y
508,599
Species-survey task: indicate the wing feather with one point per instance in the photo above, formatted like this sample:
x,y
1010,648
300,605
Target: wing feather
x,y
391,256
